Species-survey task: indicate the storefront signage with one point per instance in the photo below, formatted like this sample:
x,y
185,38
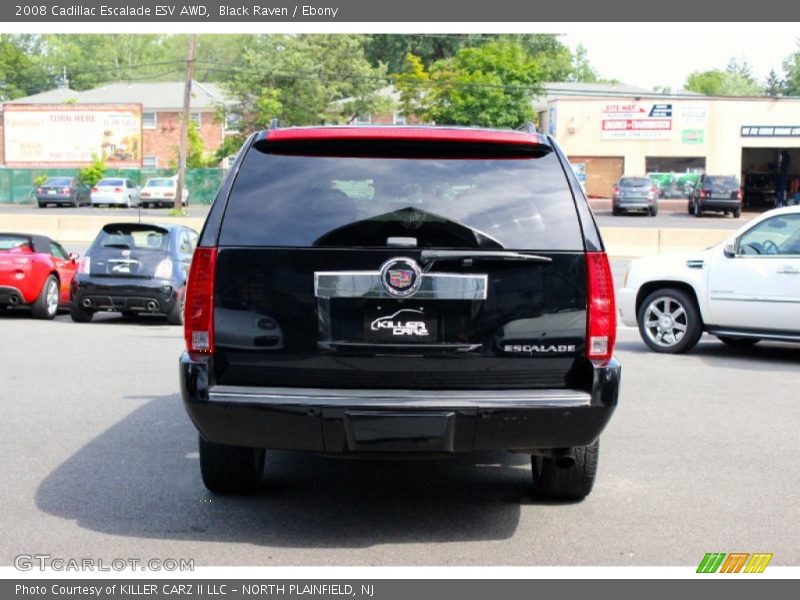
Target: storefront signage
x,y
692,136
771,131
637,121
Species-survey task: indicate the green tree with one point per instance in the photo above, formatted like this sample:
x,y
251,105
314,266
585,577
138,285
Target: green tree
x,y
582,69
93,172
491,85
716,82
773,86
304,80
19,74
413,83
791,69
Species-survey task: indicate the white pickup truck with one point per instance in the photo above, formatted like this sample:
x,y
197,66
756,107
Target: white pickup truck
x,y
743,290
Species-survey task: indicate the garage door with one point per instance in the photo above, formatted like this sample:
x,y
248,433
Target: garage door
x,y
601,173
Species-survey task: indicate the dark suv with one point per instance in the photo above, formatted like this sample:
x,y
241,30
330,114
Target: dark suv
x,y
400,291
720,193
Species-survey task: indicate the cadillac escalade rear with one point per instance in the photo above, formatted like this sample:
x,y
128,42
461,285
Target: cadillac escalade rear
x,y
400,291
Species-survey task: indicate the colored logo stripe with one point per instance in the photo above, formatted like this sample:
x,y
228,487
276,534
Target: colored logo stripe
x,y
735,561
711,562
758,562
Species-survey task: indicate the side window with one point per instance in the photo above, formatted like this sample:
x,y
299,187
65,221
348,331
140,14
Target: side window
x,y
184,244
193,238
129,184
57,251
779,235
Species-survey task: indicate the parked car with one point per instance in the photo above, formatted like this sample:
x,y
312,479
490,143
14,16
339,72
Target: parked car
x,y
134,268
719,193
67,191
35,273
743,290
396,292
161,191
115,191
635,194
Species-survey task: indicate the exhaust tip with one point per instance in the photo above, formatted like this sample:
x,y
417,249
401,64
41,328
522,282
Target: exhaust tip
x,y
86,303
14,299
152,306
565,462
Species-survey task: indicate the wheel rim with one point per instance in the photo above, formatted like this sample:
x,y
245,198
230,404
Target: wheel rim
x,y
665,321
52,298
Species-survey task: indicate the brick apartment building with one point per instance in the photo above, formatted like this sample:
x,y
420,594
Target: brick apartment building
x,y
161,102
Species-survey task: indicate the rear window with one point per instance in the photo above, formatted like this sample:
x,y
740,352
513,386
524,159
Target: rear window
x,y
168,183
59,181
133,236
442,200
728,182
9,242
634,182
114,182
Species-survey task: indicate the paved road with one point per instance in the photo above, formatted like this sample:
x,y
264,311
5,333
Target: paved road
x,y
99,460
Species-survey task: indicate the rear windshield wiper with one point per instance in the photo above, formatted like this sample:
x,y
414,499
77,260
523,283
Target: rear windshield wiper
x,y
428,257
123,246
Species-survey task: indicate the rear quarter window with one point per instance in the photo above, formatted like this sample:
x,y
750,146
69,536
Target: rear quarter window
x,y
359,200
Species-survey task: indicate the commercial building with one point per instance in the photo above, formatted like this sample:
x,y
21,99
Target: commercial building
x,y
607,131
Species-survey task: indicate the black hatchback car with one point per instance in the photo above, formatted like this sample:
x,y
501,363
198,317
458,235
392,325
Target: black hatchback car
x,y
68,191
134,268
400,292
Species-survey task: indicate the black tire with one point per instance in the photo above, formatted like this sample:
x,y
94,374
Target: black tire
x,y
175,315
690,208
43,307
572,483
738,342
616,211
230,469
690,320
653,211
80,314
698,212
737,213
42,204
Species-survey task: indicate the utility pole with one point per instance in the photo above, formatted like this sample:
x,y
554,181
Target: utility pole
x,y
183,143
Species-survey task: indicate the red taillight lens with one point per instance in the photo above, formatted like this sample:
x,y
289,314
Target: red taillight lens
x,y
39,191
739,194
652,189
616,189
117,190
84,264
65,190
602,319
704,194
198,328
94,189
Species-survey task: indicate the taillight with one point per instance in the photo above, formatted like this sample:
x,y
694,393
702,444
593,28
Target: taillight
x,y
117,190
83,264
739,194
164,269
95,189
198,328
40,191
65,190
616,189
601,327
652,189
704,194
169,194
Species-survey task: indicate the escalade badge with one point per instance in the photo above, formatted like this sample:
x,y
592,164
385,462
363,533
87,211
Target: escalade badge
x,y
401,277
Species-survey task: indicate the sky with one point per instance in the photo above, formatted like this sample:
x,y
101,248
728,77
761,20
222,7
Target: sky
x,y
648,59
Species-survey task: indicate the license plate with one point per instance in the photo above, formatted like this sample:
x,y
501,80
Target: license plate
x,y
393,324
51,192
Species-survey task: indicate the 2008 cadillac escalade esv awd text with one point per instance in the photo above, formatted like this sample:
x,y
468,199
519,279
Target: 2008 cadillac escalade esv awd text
x,y
400,291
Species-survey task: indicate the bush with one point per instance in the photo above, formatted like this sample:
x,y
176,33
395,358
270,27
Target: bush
x,y
37,181
94,172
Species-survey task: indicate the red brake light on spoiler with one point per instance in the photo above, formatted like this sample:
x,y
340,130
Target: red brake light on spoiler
x,y
199,303
602,317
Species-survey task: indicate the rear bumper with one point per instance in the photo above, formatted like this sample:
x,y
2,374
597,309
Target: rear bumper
x,y
110,199
10,295
396,421
55,199
635,203
117,294
719,204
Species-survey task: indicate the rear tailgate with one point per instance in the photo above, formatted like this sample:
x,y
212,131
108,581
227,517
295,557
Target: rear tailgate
x,y
314,238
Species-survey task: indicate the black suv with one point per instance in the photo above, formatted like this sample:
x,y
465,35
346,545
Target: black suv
x,y
720,193
400,291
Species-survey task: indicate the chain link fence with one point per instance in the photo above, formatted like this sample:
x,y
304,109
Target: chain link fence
x,y
17,185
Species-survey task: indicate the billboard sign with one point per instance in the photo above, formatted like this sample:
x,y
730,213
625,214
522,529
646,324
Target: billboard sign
x,y
70,135
637,121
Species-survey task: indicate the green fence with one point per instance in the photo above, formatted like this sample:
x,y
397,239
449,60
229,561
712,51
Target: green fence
x,y
17,185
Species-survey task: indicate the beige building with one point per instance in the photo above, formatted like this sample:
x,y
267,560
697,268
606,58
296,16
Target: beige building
x,y
608,132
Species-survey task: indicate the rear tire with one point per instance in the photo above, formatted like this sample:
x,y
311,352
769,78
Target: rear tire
x,y
654,211
616,211
80,314
41,204
690,208
737,342
572,483
230,469
175,316
737,213
683,331
46,305
698,212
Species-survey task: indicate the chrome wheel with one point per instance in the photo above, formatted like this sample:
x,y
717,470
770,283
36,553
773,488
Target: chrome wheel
x,y
52,297
665,321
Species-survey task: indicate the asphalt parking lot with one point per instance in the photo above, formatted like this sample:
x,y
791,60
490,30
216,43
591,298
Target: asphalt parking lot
x,y
99,460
